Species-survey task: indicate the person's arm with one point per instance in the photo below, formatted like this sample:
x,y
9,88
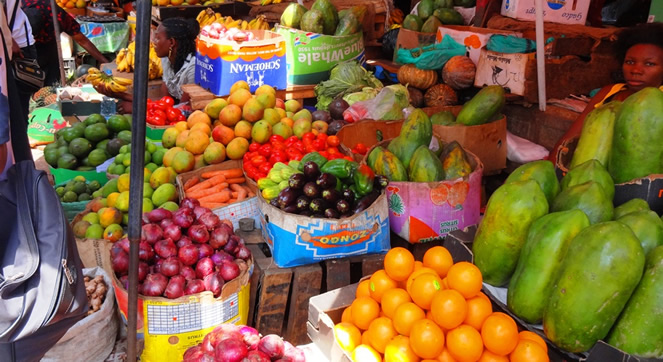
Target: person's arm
x,y
83,41
16,50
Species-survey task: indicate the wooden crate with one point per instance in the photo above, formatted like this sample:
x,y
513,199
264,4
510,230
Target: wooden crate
x,y
199,97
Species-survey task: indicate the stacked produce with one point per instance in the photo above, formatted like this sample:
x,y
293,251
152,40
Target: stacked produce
x,y
207,18
126,57
153,159
323,18
184,252
45,96
217,188
233,343
344,78
96,289
77,189
110,82
86,145
431,14
163,112
431,309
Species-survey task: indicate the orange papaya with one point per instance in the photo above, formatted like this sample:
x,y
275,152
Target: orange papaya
x,y
454,162
416,131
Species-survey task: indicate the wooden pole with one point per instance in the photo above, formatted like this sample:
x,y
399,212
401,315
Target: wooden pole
x,y
56,30
540,56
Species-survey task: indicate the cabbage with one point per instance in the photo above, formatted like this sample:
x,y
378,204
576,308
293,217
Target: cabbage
x,y
344,78
365,94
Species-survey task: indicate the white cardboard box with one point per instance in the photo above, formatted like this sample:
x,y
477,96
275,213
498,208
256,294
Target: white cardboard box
x,y
507,70
472,37
555,11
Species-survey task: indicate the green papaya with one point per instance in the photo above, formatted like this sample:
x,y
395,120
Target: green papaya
x,y
425,166
595,140
592,170
412,22
359,12
542,172
292,15
646,226
430,25
348,25
547,241
454,162
602,267
637,150
373,155
389,166
443,118
638,330
483,106
312,21
449,16
630,206
329,15
416,131
443,4
425,9
503,230
587,197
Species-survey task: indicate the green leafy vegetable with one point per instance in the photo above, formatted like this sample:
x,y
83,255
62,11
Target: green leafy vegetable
x,y
347,77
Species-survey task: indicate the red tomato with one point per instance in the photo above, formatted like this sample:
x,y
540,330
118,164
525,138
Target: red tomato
x,y
247,156
181,118
265,150
278,146
254,146
158,112
319,145
299,146
297,157
171,115
158,120
292,152
322,136
167,100
309,148
324,154
348,158
278,157
258,160
361,148
264,168
332,151
276,138
308,136
333,141
291,140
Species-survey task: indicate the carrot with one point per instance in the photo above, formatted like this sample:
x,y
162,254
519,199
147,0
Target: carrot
x,y
251,194
237,180
208,183
197,194
212,205
241,192
222,196
231,201
191,182
229,173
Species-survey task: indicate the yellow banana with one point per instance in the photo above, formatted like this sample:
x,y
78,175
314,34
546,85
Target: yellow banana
x,y
234,24
93,70
265,2
123,81
245,25
200,15
276,2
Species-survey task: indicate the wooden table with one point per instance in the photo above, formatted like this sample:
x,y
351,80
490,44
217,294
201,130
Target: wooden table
x,y
199,97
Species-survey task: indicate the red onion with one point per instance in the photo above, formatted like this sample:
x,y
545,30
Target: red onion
x,y
198,234
156,265
272,345
165,248
188,254
196,354
171,266
165,222
204,250
189,203
143,269
226,224
124,280
145,251
184,241
154,285
183,218
243,252
172,232
151,233
120,262
209,220
251,336
257,356
175,288
194,286
231,246
159,214
219,237
223,331
220,256
124,244
213,283
204,267
199,211
229,271
188,273
230,350
293,353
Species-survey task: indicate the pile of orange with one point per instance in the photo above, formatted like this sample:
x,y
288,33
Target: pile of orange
x,y
430,311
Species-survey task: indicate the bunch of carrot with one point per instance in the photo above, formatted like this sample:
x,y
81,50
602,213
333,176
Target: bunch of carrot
x,y
218,188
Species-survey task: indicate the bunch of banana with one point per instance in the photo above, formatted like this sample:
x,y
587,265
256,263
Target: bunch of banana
x,y
125,61
267,2
259,23
114,84
207,17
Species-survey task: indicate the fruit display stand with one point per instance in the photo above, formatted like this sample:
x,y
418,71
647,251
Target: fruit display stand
x,y
200,97
153,86
227,8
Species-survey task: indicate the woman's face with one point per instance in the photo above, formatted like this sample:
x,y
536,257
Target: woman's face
x,y
162,43
643,66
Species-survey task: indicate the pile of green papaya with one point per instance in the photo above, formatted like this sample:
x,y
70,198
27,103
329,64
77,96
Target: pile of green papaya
x,y
625,137
323,18
431,14
585,269
485,107
413,157
87,144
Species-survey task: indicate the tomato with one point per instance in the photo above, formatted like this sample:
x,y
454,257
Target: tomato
x,y
332,151
324,154
361,148
264,168
322,136
254,146
278,157
333,141
265,150
247,156
299,146
291,140
292,152
276,138
297,157
171,115
278,146
348,158
158,120
309,148
258,160
308,136
167,100
181,118
319,145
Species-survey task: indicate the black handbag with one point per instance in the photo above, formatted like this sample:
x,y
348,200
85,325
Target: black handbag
x,y
42,291
28,74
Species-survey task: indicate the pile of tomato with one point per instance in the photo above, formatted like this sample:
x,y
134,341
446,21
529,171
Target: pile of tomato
x,y
260,158
162,112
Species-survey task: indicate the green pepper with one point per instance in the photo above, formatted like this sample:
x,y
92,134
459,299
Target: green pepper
x,y
339,167
339,185
363,178
313,156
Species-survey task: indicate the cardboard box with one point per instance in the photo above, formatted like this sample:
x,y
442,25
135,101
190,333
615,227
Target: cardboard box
x,y
649,188
368,132
504,69
472,37
311,56
409,39
555,11
70,107
298,240
324,311
221,63
247,208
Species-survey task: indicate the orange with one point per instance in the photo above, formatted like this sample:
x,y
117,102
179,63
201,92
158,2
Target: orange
x,y
466,278
528,351
406,314
499,333
364,310
365,353
478,308
445,283
347,315
379,283
449,308
347,336
439,259
417,265
410,279
445,356
365,338
426,339
362,289
392,298
488,356
399,350
531,336
380,332
424,288
399,263
464,344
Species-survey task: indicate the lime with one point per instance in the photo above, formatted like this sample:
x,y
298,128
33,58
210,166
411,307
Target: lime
x,y
150,147
126,161
151,166
60,191
79,178
69,196
125,149
84,197
94,185
148,157
170,206
118,159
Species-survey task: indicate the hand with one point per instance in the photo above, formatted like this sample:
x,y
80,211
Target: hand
x,y
101,88
16,50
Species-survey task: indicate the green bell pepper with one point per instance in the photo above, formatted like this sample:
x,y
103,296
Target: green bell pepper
x,y
339,167
363,178
313,156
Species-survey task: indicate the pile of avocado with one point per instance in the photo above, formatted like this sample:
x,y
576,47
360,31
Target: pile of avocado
x,y
77,189
431,14
87,144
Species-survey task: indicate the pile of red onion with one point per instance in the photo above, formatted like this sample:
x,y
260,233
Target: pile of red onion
x,y
233,343
184,252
